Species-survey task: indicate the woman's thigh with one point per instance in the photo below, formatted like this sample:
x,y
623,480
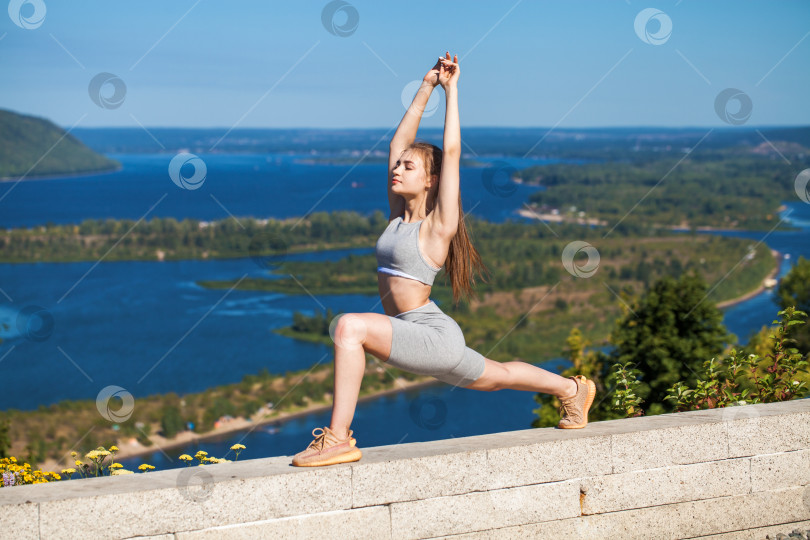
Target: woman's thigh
x,y
426,343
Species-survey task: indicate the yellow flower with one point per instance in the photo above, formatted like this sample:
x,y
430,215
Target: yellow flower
x,y
113,448
73,454
145,467
92,454
238,447
185,457
68,471
116,466
201,453
120,471
212,460
79,463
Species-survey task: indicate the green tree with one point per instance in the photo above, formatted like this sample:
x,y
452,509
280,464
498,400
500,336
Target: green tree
x,y
794,290
171,421
667,334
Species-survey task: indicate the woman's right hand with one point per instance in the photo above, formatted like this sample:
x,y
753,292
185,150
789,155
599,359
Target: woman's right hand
x,y
432,76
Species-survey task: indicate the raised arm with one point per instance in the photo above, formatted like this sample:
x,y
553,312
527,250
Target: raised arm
x,y
406,132
447,209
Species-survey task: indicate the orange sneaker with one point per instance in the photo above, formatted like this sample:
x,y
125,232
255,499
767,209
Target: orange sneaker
x,y
574,410
327,449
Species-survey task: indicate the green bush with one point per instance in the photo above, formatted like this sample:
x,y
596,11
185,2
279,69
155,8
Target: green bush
x,y
749,379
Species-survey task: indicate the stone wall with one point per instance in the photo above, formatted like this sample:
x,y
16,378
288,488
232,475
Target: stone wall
x,y
735,473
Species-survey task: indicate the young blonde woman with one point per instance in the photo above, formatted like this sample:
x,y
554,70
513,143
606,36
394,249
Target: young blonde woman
x,y
425,233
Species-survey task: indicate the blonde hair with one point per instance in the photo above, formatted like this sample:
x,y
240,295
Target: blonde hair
x,y
463,259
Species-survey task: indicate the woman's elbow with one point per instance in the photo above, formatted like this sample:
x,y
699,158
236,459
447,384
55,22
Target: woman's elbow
x,y
452,150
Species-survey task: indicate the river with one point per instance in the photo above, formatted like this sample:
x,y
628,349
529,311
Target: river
x,y
147,326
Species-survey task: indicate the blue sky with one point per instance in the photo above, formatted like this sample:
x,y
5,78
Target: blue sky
x,y
270,64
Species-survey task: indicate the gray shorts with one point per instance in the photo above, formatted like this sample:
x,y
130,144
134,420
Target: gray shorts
x,y
427,341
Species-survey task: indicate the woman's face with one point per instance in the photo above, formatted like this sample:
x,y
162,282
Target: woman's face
x,y
408,174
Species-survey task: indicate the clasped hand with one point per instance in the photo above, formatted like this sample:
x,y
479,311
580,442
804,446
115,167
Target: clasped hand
x,y
445,72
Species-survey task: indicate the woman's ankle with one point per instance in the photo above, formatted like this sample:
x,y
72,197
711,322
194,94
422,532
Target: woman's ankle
x,y
569,394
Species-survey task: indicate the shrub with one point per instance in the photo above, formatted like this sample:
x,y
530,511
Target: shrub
x,y
751,378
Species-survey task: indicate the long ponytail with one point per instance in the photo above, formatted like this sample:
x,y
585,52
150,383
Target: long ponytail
x,y
463,260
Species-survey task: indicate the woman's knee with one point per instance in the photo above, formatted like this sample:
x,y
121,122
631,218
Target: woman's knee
x,y
371,331
492,379
350,331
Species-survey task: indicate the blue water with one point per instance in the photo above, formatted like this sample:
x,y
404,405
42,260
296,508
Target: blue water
x,y
273,185
119,323
147,327
748,317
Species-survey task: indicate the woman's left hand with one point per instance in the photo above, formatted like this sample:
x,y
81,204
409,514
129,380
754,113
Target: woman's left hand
x,y
448,71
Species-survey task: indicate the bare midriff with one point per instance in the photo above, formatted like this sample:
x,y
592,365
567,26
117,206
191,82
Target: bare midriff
x,y
401,294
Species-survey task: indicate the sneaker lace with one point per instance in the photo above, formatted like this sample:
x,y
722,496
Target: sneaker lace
x,y
567,405
320,439
565,409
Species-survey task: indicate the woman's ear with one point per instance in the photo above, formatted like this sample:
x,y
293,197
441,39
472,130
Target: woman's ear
x,y
434,180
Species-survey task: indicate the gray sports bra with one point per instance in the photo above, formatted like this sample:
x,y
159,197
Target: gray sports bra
x,y
398,252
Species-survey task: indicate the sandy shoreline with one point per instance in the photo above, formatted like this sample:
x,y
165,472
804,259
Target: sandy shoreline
x,y
127,451
747,296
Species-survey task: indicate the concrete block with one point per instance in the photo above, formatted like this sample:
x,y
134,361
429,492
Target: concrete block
x,y
19,521
761,532
197,502
548,461
654,487
671,521
383,482
775,471
362,523
751,433
481,511
676,445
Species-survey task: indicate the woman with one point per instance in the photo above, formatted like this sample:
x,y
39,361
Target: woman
x,y
426,232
